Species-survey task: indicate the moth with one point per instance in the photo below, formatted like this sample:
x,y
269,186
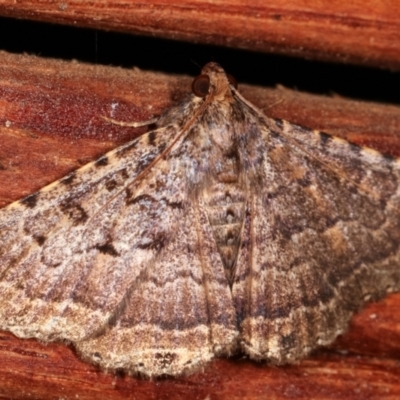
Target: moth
x,y
221,230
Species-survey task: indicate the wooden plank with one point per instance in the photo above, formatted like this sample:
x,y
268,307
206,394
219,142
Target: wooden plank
x,y
50,124
359,32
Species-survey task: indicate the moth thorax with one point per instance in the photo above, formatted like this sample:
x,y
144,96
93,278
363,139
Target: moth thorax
x,y
225,202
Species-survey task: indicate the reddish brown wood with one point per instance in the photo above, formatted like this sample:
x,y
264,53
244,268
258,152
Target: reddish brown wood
x,y
50,124
363,32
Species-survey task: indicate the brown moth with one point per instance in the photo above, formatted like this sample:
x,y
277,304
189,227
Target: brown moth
x,y
220,231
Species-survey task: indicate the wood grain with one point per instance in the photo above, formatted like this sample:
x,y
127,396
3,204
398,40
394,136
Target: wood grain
x,y
360,32
50,124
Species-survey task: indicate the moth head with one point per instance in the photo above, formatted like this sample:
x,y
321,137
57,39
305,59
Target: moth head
x,y
213,80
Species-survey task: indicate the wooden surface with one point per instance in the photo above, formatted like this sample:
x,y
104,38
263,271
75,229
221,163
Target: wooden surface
x,y
50,124
363,32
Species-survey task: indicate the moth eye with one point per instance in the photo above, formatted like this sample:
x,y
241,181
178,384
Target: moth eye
x,y
232,80
201,85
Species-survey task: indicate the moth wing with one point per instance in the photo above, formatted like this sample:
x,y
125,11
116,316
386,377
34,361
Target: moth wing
x,y
66,253
321,237
179,314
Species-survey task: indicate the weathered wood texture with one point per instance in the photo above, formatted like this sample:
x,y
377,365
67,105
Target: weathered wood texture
x,y
50,124
360,32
